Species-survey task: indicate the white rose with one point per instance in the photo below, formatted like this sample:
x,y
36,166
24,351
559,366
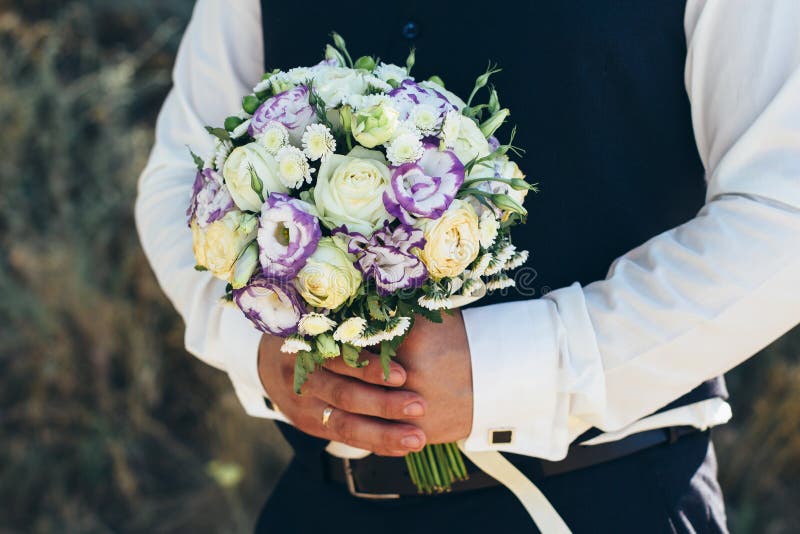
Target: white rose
x,y
350,190
218,245
469,142
333,84
239,179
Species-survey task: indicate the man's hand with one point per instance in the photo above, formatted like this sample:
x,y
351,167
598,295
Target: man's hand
x,y
367,410
437,360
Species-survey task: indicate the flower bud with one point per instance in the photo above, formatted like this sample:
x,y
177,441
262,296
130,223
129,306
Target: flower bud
x,y
365,62
332,54
250,104
435,79
245,266
494,122
374,125
327,346
506,203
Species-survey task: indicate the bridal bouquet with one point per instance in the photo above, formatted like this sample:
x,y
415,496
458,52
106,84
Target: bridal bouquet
x,y
347,199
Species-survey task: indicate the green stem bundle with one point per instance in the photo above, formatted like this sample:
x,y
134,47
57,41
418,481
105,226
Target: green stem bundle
x,y
436,467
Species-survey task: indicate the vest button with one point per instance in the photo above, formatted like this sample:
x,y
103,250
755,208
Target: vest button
x,y
410,30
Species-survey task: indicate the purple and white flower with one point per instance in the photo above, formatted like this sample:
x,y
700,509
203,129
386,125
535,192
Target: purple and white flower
x,y
291,108
424,189
274,307
386,257
410,94
210,200
288,234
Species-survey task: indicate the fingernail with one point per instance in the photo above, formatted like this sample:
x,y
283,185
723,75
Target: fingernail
x,y
396,377
415,409
411,442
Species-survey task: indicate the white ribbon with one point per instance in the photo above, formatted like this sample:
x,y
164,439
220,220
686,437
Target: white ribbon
x,y
536,504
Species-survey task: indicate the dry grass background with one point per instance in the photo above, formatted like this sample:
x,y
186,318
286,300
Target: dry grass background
x,y
106,424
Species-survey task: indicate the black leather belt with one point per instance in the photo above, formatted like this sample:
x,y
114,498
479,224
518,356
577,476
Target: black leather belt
x,y
378,477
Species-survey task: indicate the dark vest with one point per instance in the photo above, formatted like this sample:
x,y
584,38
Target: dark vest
x,y
596,89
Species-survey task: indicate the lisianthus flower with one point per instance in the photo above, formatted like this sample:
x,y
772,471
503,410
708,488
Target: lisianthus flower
x,y
424,189
273,307
210,200
318,142
288,234
291,108
410,94
387,258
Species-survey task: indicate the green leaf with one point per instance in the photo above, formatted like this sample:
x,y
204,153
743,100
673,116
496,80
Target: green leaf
x,y
434,316
220,133
387,353
200,268
250,104
300,373
375,308
350,355
198,161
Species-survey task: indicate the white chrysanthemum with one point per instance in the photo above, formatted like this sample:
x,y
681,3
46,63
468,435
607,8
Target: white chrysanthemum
x,y
470,286
273,137
364,101
263,85
299,75
389,71
351,329
318,142
495,266
313,324
455,285
372,339
451,127
489,226
501,282
435,303
241,129
426,118
295,344
404,148
517,260
396,327
505,253
293,168
481,265
377,83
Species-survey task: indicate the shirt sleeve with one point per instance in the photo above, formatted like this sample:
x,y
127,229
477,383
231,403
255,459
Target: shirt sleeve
x,y
690,303
219,61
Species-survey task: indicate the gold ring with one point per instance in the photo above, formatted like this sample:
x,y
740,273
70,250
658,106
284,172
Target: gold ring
x,y
326,415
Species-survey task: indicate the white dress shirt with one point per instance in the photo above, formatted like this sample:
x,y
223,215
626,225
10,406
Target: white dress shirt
x,y
684,307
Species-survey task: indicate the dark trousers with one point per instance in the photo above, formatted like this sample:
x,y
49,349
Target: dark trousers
x,y
668,488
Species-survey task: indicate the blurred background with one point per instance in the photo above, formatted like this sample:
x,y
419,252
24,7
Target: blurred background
x,y
106,423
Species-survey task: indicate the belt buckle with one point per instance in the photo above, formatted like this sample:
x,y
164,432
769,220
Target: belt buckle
x,y
351,486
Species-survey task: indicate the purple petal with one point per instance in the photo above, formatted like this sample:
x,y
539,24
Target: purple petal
x,y
287,235
273,307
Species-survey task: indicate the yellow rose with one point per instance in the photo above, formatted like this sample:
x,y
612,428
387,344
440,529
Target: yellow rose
x,y
452,241
217,246
328,278
350,190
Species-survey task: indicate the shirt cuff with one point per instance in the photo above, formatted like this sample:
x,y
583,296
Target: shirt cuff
x,y
241,340
525,375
